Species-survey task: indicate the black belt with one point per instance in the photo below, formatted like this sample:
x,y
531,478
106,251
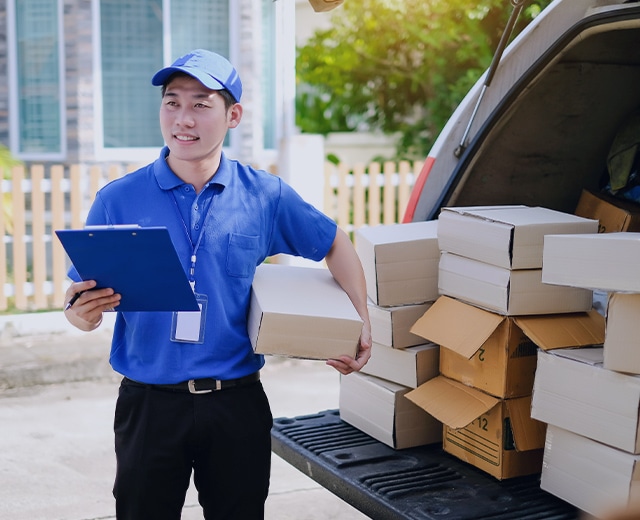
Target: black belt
x,y
199,386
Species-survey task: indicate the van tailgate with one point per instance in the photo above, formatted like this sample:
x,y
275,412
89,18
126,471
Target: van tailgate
x,y
422,483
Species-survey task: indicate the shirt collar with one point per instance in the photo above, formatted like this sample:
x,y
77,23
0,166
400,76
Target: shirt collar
x,y
167,180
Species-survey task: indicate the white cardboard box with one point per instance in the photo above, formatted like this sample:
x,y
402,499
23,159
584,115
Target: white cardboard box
x,y
391,326
301,312
506,236
409,367
572,390
592,476
622,337
605,261
506,291
380,409
400,262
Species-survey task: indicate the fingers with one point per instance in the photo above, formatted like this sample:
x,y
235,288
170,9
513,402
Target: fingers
x,y
76,288
346,364
84,304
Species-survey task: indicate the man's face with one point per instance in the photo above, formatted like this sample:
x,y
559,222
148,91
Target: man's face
x,y
194,120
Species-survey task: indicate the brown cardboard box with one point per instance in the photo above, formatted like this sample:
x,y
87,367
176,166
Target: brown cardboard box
x,y
497,436
301,312
379,408
613,214
622,337
497,354
400,262
409,367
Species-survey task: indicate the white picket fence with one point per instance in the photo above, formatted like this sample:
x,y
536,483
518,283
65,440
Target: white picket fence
x,y
38,200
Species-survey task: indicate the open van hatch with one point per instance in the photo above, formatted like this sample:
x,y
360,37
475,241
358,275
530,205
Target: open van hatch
x,y
547,122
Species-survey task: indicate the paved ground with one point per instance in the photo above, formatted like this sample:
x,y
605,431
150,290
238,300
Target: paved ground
x,y
57,395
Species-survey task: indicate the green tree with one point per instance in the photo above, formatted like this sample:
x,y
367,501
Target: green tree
x,y
6,162
398,66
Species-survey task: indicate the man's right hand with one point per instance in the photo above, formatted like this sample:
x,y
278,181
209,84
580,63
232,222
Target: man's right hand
x,y
85,313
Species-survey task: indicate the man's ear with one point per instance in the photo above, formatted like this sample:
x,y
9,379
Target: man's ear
x,y
235,115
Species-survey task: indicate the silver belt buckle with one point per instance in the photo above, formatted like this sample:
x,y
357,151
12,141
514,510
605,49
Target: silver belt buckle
x,y
191,384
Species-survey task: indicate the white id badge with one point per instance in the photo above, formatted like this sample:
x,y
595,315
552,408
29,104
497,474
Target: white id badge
x,y
188,326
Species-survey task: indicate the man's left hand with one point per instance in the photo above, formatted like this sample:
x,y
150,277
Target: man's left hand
x,y
346,364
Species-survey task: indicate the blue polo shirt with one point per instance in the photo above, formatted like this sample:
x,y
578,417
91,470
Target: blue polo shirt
x,y
244,216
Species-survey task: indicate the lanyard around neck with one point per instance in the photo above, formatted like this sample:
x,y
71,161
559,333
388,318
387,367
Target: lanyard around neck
x,y
196,246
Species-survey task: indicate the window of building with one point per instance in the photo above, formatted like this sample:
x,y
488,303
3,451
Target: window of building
x,y
138,38
131,52
268,73
132,35
132,40
36,79
199,24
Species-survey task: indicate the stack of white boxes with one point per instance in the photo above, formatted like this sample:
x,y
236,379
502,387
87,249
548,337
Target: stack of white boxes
x,y
401,270
590,398
493,315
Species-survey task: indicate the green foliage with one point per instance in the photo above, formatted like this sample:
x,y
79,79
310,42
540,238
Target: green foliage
x,y
6,162
398,66
333,159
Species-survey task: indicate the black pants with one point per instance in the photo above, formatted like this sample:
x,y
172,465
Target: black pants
x,y
160,436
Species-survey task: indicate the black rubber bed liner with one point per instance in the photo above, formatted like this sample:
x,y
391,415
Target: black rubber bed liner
x,y
423,483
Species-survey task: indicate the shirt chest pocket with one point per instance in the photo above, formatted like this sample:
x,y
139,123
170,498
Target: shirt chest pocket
x,y
242,255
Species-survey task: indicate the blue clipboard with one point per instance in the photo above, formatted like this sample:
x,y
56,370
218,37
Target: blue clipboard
x,y
140,263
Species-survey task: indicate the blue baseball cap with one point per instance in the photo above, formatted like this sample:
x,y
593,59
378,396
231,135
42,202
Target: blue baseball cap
x,y
209,68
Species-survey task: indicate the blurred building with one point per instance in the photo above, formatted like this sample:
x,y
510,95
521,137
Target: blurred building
x,y
75,75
